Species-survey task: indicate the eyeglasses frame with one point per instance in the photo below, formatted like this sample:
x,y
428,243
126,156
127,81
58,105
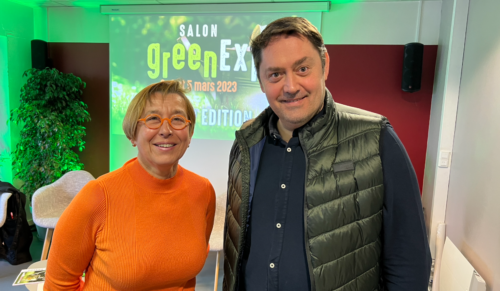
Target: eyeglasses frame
x,y
169,120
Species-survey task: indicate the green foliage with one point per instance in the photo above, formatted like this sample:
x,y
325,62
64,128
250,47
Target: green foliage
x,y
4,157
52,113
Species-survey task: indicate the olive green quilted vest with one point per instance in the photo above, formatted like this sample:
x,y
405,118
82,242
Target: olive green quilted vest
x,y
343,204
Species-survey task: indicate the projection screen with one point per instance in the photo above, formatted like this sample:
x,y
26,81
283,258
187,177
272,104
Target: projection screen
x,y
210,52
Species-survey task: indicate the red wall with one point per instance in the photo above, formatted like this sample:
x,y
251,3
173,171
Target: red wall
x,y
90,62
369,77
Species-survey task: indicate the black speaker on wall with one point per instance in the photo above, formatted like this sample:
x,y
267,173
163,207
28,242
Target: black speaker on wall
x,y
412,67
39,55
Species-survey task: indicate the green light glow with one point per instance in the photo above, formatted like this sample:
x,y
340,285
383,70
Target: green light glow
x,y
5,161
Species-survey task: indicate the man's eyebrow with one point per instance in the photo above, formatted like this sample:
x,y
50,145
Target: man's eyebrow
x,y
295,64
273,69
298,62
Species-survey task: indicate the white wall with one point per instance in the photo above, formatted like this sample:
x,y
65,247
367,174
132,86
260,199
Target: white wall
x,y
5,161
16,24
443,112
17,31
349,23
381,23
472,214
77,24
40,29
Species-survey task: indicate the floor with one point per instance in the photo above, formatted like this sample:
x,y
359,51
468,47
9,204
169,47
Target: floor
x,y
8,273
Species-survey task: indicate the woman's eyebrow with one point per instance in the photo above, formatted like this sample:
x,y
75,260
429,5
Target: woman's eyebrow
x,y
176,111
179,111
152,112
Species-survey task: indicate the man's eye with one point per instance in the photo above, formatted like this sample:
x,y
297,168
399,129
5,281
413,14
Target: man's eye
x,y
275,75
303,69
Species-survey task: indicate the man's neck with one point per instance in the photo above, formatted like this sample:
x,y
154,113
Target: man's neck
x,y
286,134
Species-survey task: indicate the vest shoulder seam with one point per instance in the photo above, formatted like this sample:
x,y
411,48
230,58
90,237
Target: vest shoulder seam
x,y
346,109
358,134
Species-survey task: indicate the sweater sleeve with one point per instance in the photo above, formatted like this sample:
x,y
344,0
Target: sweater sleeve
x,y
210,212
406,259
74,240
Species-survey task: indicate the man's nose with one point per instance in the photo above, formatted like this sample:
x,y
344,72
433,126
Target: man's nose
x,y
291,87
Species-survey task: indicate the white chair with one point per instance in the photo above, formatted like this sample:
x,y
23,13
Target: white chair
x,y
50,201
217,237
3,207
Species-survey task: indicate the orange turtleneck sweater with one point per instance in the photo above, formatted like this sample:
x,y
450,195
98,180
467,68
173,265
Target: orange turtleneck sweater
x,y
132,231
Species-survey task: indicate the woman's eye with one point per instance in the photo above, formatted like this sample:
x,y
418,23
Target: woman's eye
x,y
152,118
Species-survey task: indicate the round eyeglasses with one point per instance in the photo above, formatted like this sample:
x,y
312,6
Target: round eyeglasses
x,y
154,121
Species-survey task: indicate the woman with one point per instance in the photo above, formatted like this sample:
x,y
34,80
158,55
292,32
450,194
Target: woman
x,y
146,225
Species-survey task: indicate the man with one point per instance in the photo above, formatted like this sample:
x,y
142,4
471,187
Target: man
x,y
321,196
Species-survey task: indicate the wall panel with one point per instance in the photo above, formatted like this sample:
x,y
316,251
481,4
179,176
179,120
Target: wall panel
x,y
90,62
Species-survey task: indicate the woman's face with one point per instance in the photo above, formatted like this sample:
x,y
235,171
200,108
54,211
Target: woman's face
x,y
160,149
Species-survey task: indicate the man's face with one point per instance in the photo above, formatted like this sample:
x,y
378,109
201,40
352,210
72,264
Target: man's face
x,y
293,80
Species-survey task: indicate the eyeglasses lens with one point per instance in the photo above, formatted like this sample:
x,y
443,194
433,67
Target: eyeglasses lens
x,y
176,122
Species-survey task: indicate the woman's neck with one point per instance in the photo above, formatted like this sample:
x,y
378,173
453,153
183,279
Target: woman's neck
x,y
162,173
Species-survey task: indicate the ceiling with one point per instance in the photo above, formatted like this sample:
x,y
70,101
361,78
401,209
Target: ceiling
x,y
97,3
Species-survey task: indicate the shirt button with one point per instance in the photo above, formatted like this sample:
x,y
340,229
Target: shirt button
x,y
278,225
283,186
271,265
288,149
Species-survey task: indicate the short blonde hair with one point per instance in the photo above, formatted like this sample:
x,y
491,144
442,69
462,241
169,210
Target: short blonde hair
x,y
136,106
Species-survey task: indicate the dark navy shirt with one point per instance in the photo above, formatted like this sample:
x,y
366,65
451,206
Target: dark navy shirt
x,y
275,255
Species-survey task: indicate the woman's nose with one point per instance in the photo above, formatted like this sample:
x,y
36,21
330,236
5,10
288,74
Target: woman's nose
x,y
165,128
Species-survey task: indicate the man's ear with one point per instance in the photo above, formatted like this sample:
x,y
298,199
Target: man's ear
x,y
327,65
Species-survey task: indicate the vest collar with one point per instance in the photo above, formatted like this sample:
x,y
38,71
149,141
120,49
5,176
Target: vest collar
x,y
263,120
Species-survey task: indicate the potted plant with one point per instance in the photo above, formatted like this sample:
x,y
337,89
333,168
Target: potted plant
x,y
52,113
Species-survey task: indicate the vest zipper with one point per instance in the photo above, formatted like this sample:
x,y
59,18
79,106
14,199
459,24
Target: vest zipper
x,y
306,240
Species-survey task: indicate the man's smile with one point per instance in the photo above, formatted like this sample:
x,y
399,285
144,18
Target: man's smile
x,y
291,101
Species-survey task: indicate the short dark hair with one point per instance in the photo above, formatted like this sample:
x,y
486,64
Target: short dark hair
x,y
297,26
